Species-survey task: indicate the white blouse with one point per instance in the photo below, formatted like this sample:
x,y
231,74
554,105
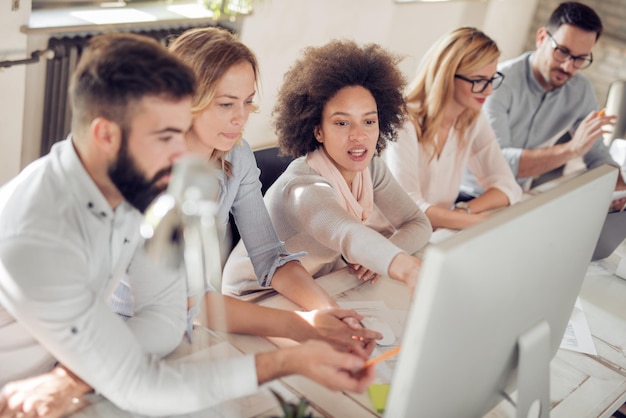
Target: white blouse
x,y
437,181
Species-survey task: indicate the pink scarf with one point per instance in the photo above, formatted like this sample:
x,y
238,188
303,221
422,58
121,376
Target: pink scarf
x,y
360,200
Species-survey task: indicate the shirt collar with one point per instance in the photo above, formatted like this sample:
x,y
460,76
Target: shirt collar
x,y
80,183
533,83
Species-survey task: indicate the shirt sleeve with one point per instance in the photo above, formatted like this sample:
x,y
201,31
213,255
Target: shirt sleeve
x,y
312,206
160,300
54,302
264,248
497,108
487,163
402,158
413,229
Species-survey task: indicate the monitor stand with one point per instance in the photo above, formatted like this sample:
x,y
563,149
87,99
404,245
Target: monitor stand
x,y
533,378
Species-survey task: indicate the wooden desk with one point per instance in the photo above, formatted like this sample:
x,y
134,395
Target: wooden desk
x,y
581,385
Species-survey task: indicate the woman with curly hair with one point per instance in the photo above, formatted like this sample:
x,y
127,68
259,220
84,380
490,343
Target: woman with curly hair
x,y
226,74
338,107
447,132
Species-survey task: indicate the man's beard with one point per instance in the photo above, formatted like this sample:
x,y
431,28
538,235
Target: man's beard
x,y
558,70
130,181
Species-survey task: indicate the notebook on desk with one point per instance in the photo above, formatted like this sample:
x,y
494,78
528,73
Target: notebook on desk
x,y
612,235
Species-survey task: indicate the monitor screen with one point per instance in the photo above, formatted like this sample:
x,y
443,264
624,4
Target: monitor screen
x,y
493,301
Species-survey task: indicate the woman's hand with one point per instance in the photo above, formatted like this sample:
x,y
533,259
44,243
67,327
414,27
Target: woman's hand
x,y
362,273
341,328
405,268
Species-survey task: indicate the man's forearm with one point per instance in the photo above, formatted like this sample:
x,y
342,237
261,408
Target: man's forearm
x,y
272,365
535,162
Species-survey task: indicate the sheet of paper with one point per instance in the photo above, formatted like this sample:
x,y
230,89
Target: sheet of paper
x,y
577,336
377,309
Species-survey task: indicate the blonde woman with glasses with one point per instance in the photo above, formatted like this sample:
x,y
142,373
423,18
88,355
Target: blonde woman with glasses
x,y
447,133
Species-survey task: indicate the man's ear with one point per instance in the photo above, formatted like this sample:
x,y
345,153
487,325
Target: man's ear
x,y
106,135
540,36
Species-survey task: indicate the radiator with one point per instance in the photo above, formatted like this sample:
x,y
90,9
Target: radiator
x,y
56,123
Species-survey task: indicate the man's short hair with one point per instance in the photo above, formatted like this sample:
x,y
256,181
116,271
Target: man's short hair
x,y
578,15
116,70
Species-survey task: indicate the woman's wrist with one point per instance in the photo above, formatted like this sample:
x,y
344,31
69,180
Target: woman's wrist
x,y
301,328
404,267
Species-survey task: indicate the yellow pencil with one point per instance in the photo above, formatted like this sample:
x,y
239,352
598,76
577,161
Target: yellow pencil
x,y
383,356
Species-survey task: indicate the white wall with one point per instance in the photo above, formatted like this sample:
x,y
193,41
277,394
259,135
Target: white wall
x,y
12,86
508,22
279,29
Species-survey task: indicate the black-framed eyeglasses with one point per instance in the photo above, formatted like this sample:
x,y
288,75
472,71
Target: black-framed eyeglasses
x,y
562,54
481,84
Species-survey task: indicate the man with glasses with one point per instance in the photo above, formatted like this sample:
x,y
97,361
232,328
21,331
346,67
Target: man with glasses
x,y
545,115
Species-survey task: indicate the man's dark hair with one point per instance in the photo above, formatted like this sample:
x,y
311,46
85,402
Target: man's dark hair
x,y
116,70
575,14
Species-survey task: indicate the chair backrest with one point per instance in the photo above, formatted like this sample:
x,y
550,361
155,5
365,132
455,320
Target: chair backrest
x,y
272,165
616,105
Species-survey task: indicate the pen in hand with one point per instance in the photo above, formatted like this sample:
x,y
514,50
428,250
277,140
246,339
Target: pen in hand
x,y
383,356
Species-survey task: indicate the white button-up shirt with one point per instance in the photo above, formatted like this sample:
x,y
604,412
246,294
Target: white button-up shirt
x,y
63,250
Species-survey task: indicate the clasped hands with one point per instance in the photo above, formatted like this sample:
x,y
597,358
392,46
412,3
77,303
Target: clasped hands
x,y
342,329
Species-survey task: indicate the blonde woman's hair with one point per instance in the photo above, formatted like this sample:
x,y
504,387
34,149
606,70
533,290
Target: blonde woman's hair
x,y
211,52
461,51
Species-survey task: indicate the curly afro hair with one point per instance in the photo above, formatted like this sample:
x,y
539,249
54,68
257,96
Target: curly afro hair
x,y
319,74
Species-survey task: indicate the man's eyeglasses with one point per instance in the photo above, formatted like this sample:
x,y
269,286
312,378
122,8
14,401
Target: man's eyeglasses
x,y
562,54
480,85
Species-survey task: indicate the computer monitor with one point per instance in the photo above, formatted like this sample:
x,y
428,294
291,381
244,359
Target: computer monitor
x,y
493,301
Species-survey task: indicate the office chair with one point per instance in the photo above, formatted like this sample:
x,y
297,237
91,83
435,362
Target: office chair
x,y
272,165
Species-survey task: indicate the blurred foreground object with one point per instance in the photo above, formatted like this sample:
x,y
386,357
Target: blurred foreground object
x,y
180,228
